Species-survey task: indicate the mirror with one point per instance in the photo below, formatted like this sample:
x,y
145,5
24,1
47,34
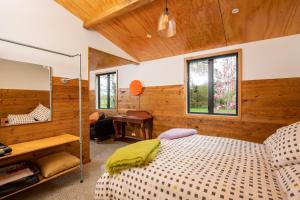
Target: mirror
x,y
25,93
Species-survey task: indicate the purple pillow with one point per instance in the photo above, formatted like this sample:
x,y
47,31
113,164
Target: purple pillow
x,y
175,133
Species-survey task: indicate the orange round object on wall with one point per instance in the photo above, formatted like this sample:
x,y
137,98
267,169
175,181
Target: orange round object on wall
x,y
136,87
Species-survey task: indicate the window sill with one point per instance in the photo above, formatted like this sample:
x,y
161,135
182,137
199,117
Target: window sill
x,y
107,109
214,117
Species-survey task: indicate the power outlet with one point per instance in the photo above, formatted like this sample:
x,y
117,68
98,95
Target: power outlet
x,y
133,134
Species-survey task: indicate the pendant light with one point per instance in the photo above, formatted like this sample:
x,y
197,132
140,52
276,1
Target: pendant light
x,y
166,24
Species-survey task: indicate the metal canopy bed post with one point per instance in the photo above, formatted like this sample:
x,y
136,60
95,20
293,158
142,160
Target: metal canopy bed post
x,y
64,80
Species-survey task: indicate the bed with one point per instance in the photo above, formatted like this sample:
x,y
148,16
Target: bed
x,y
198,167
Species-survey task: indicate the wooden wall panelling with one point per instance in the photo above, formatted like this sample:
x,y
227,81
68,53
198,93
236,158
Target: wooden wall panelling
x,y
14,101
267,105
92,100
65,119
243,130
273,100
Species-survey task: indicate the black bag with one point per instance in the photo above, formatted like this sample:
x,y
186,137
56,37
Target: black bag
x,y
16,176
4,150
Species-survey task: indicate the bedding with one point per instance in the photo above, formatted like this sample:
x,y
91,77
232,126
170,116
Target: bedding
x,y
176,133
133,155
286,149
289,178
197,167
271,141
19,119
41,113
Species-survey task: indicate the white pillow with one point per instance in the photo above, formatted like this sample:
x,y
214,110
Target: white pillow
x,y
285,148
41,113
176,133
271,140
289,179
20,119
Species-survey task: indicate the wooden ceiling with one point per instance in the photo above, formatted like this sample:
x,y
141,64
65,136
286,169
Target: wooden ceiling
x,y
100,60
201,24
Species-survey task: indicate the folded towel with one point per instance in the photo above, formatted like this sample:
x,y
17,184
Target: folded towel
x,y
133,155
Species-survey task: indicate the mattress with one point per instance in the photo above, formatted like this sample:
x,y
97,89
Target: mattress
x,y
197,167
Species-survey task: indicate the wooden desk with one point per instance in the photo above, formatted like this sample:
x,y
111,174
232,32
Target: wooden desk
x,y
143,118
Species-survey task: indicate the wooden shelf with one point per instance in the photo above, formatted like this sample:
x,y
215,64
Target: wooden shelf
x,y
35,145
43,180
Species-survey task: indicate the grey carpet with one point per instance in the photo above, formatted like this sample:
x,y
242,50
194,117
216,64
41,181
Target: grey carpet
x,y
68,187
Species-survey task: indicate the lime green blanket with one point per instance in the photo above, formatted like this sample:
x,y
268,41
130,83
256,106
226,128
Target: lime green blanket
x,y
133,155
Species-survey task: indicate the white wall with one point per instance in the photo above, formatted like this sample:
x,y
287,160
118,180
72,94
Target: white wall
x,y
47,24
267,59
23,76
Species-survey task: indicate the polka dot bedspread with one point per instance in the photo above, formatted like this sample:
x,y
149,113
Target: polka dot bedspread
x,y
197,167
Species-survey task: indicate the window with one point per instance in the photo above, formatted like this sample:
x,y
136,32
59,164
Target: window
x,y
106,85
212,85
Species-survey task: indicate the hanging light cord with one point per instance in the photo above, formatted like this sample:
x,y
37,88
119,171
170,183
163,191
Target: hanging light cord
x,y
167,6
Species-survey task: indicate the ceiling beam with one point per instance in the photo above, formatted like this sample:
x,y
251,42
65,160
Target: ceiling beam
x,y
117,10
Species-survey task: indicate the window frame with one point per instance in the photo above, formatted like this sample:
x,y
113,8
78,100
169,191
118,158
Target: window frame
x,y
97,90
210,57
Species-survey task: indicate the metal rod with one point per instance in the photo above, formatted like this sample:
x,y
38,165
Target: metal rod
x,y
51,89
80,89
80,121
39,48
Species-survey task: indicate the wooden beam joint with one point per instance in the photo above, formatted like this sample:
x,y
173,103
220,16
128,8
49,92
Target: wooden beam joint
x,y
115,11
